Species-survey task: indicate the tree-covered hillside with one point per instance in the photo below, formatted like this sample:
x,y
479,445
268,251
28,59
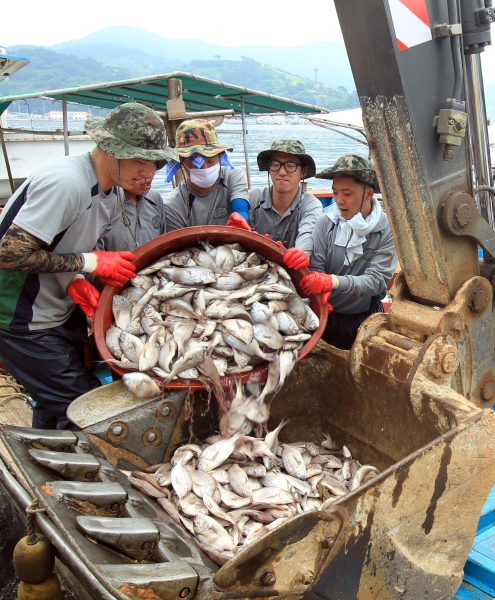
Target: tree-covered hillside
x,y
50,70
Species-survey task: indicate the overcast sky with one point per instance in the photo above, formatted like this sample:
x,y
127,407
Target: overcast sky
x,y
230,23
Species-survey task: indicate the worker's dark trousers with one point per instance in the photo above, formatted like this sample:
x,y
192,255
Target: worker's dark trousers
x,y
341,329
49,363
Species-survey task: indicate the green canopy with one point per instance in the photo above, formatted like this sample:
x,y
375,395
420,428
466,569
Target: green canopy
x,y
198,93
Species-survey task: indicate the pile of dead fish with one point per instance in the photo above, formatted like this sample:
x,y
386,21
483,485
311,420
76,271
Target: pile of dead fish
x,y
230,491
207,313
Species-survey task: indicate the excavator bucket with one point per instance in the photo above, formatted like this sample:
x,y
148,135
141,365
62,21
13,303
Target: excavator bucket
x,y
405,534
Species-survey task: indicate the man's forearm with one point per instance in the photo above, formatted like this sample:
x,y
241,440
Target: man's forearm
x,y
21,251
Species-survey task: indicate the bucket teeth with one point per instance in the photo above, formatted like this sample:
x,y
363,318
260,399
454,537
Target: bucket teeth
x,y
74,467
175,579
135,538
110,497
54,439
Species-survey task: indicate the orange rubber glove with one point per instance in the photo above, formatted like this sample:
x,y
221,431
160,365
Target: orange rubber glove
x,y
295,258
113,268
84,295
235,220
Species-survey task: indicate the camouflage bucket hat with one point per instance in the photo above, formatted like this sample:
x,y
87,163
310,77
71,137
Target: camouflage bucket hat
x,y
294,147
198,136
131,130
355,166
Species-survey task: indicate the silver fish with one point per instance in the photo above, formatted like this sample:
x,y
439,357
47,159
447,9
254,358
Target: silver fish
x,y
251,273
199,302
278,305
122,309
272,495
142,281
232,500
268,337
287,363
131,346
271,438
216,454
245,292
363,472
253,259
261,313
286,323
112,339
224,259
172,290
211,534
190,360
141,385
151,351
239,481
203,259
133,293
297,309
239,257
182,332
228,282
156,266
190,275
293,462
256,297
191,373
241,329
181,259
181,479
179,308
141,303
208,368
251,349
167,354
312,322
149,319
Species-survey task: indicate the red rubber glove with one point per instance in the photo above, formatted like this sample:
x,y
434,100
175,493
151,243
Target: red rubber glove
x,y
84,295
113,268
235,220
316,283
295,258
325,298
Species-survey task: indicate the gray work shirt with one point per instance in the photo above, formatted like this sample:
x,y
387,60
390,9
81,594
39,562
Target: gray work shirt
x,y
367,276
151,224
186,208
63,205
294,228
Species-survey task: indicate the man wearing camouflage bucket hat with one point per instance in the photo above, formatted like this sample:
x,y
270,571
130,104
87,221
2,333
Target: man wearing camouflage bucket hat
x,y
48,230
283,210
212,188
354,255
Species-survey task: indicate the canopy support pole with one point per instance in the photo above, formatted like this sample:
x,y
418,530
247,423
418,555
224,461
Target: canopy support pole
x,y
66,124
244,141
7,163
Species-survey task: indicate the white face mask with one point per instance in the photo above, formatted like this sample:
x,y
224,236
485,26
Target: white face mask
x,y
204,178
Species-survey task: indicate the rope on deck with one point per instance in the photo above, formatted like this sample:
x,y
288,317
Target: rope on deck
x,y
11,389
31,511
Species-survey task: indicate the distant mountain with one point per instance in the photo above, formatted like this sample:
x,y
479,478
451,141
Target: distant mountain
x,y
54,70
49,70
127,47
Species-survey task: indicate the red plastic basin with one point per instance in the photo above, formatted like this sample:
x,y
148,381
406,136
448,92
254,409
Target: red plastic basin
x,y
185,238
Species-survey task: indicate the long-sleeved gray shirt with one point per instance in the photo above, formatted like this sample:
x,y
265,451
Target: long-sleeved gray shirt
x,y
294,228
185,208
151,224
367,276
